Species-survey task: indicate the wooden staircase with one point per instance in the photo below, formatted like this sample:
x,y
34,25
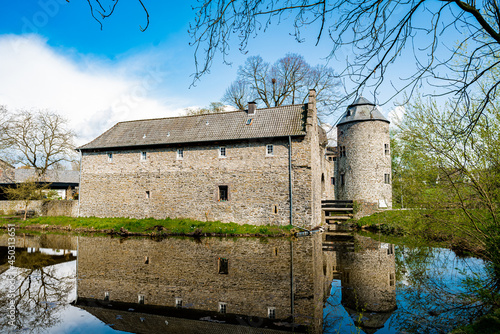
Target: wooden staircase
x,y
337,211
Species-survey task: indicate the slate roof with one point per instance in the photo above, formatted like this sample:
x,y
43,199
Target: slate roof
x,y
281,121
362,110
52,176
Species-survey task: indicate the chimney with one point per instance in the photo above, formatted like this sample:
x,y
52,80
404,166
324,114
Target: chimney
x,y
252,106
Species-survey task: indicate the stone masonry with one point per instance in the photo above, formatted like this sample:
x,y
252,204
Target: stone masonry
x,y
166,185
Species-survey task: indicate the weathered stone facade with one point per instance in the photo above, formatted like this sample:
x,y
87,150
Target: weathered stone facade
x,y
363,166
154,181
259,276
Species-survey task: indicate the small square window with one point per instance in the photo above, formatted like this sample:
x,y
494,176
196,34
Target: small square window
x,y
143,156
223,266
178,302
222,152
271,312
222,308
269,150
223,193
180,154
249,121
140,299
110,157
387,178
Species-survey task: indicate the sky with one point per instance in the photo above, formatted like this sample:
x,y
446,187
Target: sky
x,y
54,55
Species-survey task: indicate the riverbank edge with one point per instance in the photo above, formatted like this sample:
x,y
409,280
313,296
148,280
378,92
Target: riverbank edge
x,y
425,225
125,227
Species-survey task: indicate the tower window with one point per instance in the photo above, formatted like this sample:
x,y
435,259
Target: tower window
x,y
275,209
180,154
387,178
391,279
342,179
271,312
386,149
332,180
223,193
110,157
106,296
146,260
140,299
143,156
148,194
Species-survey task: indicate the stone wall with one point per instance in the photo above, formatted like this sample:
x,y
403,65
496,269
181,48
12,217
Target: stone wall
x,y
258,274
364,164
67,208
165,186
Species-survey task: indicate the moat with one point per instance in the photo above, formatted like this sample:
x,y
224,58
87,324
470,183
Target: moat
x,y
332,282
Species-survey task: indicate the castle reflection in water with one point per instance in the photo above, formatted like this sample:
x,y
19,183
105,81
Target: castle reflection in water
x,y
244,285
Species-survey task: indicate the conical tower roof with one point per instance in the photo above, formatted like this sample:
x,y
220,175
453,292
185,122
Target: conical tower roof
x,y
362,110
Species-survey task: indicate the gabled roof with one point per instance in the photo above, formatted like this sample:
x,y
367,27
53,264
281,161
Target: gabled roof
x,y
52,176
266,123
362,110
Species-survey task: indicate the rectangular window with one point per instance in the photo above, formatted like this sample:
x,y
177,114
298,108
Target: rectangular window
x,y
342,180
146,260
391,279
387,178
143,156
347,277
275,209
222,152
148,194
180,154
222,308
269,150
223,266
106,296
223,193
271,312
140,299
333,181
110,157
249,121
178,302
386,149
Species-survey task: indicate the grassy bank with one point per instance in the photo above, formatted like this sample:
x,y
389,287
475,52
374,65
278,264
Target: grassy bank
x,y
149,226
432,226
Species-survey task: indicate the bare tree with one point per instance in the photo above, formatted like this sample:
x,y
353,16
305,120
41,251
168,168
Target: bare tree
x,y
213,108
439,35
26,192
39,139
287,81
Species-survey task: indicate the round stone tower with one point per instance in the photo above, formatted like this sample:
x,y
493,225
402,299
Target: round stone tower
x,y
363,168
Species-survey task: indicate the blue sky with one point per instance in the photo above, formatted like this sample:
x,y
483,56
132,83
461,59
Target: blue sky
x,y
54,55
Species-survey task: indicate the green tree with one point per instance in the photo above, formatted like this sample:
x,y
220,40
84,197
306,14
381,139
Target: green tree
x,y
213,108
26,192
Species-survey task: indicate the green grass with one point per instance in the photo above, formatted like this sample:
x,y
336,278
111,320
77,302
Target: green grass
x,y
149,225
439,227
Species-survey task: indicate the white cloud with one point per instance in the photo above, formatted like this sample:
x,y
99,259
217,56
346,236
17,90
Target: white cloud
x,y
92,93
396,115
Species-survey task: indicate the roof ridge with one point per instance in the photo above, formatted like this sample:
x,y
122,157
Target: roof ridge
x,y
218,113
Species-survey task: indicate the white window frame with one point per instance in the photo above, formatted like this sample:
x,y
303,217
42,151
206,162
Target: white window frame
x,y
178,302
222,148
222,307
180,154
267,150
271,312
110,157
144,155
140,299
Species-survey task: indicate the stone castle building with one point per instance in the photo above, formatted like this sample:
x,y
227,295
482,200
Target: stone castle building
x,y
255,166
363,166
243,166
